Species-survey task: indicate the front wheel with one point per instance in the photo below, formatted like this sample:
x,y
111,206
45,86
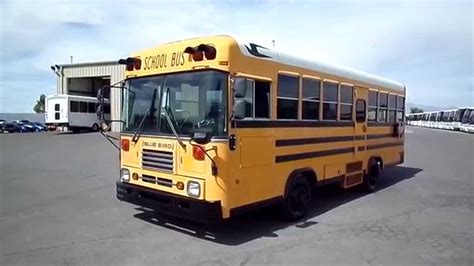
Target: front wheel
x,y
95,127
297,200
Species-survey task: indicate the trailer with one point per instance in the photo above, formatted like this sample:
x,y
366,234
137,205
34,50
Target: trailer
x,y
73,113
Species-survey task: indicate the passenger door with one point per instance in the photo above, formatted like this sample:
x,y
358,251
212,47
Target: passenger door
x,y
251,145
360,122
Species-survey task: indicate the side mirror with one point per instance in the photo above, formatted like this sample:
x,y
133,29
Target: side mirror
x,y
100,94
201,136
99,110
240,87
239,108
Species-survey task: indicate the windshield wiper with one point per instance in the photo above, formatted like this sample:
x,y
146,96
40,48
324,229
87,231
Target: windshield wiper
x,y
136,135
171,124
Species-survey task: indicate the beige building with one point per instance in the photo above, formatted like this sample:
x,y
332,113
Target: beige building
x,y
86,78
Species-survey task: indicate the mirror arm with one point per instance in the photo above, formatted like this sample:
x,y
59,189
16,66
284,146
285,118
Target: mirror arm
x,y
214,165
107,137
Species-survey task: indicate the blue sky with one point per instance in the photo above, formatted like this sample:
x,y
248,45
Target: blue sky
x,y
427,45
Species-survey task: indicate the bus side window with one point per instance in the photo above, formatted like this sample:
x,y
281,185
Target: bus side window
x,y
74,107
91,107
82,107
256,95
346,92
287,97
383,105
262,99
360,111
330,102
373,96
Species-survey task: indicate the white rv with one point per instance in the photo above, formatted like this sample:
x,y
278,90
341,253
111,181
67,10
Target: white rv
x,y
73,112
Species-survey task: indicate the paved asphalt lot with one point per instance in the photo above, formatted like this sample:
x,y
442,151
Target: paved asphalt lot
x,y
58,206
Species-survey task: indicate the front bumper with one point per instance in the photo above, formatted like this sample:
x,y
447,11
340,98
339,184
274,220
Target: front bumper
x,y
169,204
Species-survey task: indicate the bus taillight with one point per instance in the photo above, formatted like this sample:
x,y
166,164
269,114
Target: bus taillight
x,y
125,145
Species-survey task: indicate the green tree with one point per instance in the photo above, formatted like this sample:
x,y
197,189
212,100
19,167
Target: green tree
x,y
414,110
39,107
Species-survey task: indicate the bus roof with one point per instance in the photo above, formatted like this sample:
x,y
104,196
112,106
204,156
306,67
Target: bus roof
x,y
255,50
259,52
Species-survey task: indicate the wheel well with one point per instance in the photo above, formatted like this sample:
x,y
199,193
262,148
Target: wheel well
x,y
307,173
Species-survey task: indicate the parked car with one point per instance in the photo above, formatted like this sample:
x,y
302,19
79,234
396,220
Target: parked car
x,y
39,126
2,123
24,126
10,127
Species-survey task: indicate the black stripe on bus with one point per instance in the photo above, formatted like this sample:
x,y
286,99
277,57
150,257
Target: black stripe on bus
x,y
379,136
284,123
303,141
380,124
361,148
383,145
314,154
291,142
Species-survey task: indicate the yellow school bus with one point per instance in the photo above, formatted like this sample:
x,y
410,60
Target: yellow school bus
x,y
213,127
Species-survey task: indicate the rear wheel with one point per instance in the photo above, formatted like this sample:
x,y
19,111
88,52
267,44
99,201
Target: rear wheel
x,y
95,127
372,177
297,200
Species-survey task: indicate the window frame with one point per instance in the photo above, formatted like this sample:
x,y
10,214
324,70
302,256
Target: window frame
x,y
365,111
76,103
345,103
400,108
298,95
373,107
330,102
308,100
379,108
391,108
253,81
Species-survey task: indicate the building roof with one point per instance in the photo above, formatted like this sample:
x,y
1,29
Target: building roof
x,y
86,64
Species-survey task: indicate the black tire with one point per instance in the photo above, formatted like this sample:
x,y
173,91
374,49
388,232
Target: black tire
x,y
297,200
95,127
372,177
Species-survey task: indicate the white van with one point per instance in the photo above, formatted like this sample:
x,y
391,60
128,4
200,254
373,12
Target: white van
x,y
73,112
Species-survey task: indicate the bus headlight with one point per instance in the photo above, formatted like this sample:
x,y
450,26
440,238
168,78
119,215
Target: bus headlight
x,y
194,189
124,175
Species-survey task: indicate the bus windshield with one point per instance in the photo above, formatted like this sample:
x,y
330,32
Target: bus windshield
x,y
191,100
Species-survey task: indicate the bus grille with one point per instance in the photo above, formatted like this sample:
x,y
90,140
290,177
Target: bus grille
x,y
157,160
157,180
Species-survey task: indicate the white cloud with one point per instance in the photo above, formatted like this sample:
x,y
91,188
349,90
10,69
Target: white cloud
x,y
415,43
